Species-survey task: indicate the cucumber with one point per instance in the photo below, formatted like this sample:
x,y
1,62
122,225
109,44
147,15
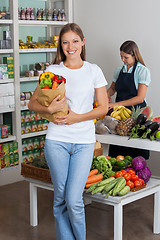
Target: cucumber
x,y
91,188
109,186
118,187
108,180
124,191
98,189
109,193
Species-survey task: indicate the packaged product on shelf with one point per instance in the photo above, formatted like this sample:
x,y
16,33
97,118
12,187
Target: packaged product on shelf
x,y
22,45
38,117
49,15
16,158
40,45
37,73
54,15
29,73
22,96
5,148
39,14
36,143
22,14
1,148
3,68
6,160
36,153
41,66
11,160
9,129
10,75
24,145
30,155
45,124
43,15
30,43
10,147
56,41
10,68
63,15
8,44
2,161
27,95
41,142
27,14
32,16
49,44
2,44
23,128
30,144
34,126
42,152
27,116
3,131
22,116
39,125
28,127
59,18
15,147
25,157
8,60
32,116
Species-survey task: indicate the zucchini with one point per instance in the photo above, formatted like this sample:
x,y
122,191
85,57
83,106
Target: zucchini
x,y
124,191
98,189
118,187
108,180
91,188
109,186
109,193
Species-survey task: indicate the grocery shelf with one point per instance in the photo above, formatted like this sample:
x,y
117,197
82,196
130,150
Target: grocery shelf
x,y
41,23
29,79
6,21
7,80
124,141
10,138
37,50
4,110
34,134
6,51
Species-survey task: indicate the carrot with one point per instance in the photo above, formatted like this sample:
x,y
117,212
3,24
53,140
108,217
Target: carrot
x,y
54,85
93,172
89,184
94,178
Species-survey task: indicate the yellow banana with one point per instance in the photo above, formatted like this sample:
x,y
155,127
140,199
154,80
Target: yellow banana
x,y
115,108
120,107
112,113
122,115
126,114
129,111
118,117
116,113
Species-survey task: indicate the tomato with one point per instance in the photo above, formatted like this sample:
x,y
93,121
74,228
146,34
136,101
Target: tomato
x,y
46,87
134,178
130,184
120,157
118,174
132,172
141,180
127,176
137,183
124,171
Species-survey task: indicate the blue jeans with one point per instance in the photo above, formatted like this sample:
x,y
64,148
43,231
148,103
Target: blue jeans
x,y
69,166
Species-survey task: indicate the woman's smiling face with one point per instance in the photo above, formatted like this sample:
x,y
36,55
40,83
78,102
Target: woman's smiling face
x,y
127,59
72,45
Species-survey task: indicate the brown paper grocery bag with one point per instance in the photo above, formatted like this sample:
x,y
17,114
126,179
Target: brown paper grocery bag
x,y
46,96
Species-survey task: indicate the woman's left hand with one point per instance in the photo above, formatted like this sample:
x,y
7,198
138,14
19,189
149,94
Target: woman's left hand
x,y
68,119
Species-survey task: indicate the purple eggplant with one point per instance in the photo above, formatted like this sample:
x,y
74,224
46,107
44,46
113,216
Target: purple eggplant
x,y
151,129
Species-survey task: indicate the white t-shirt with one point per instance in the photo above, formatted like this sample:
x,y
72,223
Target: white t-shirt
x,y
80,85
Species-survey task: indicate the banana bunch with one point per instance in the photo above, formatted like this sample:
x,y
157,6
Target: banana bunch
x,y
121,112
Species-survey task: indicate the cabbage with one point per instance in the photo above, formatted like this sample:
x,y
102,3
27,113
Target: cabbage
x,y
138,163
145,174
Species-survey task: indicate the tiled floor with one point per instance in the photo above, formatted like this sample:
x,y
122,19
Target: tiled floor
x,y
14,217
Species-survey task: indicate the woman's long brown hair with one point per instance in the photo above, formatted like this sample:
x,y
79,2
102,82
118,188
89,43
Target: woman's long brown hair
x,y
130,47
60,56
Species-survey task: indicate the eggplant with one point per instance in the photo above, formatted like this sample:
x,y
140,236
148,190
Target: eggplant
x,y
151,129
141,119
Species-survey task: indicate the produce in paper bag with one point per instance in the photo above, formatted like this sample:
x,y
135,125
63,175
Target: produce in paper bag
x,y
49,87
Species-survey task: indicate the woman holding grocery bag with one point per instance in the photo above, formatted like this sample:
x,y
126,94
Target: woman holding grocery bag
x,y
130,84
69,144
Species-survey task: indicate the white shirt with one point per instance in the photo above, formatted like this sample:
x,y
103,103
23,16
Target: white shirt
x,y
80,85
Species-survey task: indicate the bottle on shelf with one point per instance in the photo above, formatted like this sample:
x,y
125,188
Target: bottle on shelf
x,y
22,14
19,15
59,15
32,16
63,15
54,15
39,18
27,14
43,16
49,15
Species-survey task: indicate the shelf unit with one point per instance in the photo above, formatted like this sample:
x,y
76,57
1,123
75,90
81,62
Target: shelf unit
x,y
12,174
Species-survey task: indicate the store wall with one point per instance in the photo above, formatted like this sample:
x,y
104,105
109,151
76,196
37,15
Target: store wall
x,y
107,24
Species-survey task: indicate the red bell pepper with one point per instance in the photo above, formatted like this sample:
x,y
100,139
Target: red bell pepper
x,y
59,79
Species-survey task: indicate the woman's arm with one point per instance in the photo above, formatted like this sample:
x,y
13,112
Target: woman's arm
x,y
141,94
111,91
55,105
102,109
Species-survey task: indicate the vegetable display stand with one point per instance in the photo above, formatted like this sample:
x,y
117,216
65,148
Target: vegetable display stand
x,y
153,187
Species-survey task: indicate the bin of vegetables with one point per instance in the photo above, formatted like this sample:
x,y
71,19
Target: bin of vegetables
x,y
49,87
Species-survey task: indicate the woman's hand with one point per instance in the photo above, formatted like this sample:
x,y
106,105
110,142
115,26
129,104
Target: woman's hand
x,y
68,119
57,105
